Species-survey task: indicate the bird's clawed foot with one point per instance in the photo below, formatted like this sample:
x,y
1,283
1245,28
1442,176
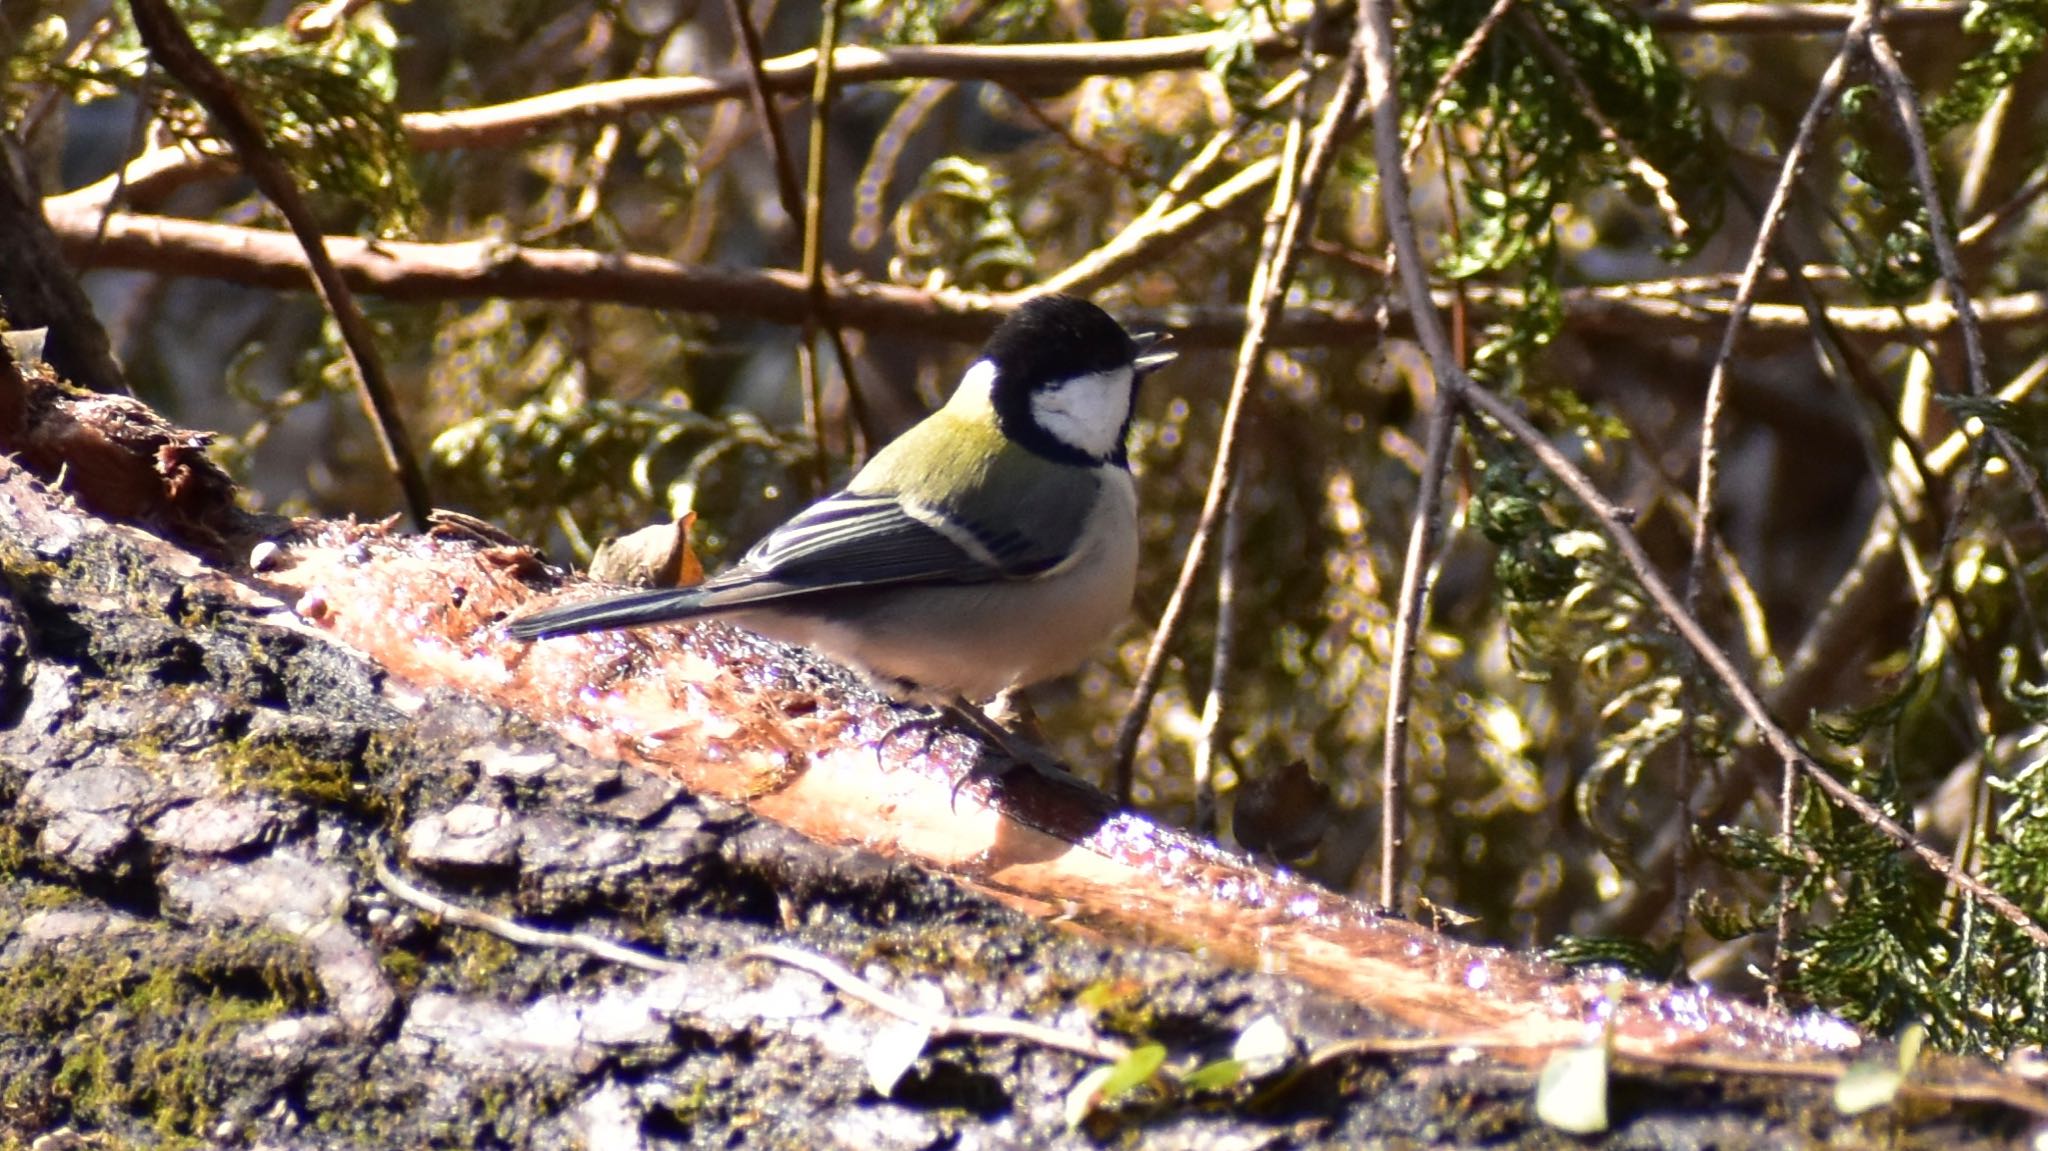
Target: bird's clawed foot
x,y
1012,750
1004,750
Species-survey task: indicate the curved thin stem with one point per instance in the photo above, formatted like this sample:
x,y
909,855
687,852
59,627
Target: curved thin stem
x,y
1269,291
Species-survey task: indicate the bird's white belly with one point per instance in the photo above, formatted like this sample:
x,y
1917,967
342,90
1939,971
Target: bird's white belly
x,y
980,640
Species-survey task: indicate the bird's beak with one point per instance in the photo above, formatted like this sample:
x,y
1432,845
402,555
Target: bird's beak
x,y
1151,357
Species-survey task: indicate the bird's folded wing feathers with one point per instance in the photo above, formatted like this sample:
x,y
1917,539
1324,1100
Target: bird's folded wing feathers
x,y
852,540
847,541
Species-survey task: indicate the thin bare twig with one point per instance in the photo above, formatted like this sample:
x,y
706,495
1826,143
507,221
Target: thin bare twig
x,y
1269,291
1745,297
1213,149
1213,738
2014,208
171,46
578,941
939,1022
1467,53
1197,167
1161,228
1036,113
1781,951
1735,19
1376,31
1742,594
1983,155
780,158
820,312
809,208
1419,567
1768,223
853,986
1418,580
1151,236
801,210
1417,584
1392,194
1945,454
1906,107
1644,172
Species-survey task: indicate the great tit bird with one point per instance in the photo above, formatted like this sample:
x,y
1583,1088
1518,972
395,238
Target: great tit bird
x,y
991,546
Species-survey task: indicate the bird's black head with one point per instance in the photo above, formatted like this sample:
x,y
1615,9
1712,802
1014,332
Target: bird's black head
x,y
1065,377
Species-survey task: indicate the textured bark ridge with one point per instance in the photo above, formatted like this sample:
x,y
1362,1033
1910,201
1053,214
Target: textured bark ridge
x,y
204,768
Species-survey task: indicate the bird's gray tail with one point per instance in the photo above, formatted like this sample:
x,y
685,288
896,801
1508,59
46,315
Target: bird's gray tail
x,y
634,609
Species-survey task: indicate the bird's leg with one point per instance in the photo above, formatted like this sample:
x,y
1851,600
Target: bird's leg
x,y
938,714
1005,740
1019,751
1012,749
1012,709
931,723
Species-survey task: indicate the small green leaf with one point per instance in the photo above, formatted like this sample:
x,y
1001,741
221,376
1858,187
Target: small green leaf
x,y
1910,1043
1107,1084
1134,1069
1865,1086
1221,1075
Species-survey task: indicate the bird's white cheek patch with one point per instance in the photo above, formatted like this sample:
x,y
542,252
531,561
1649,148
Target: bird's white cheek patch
x,y
1087,412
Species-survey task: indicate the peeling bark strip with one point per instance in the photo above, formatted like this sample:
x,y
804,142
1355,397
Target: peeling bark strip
x,y
115,455
724,713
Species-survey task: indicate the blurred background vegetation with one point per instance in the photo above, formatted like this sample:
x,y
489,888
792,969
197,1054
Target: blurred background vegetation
x,y
1588,188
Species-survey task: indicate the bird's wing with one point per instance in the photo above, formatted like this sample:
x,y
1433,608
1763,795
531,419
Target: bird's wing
x,y
854,540
846,541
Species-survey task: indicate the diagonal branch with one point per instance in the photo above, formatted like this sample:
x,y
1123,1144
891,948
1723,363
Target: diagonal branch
x,y
1150,237
1645,173
1768,223
1907,108
171,46
1269,290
